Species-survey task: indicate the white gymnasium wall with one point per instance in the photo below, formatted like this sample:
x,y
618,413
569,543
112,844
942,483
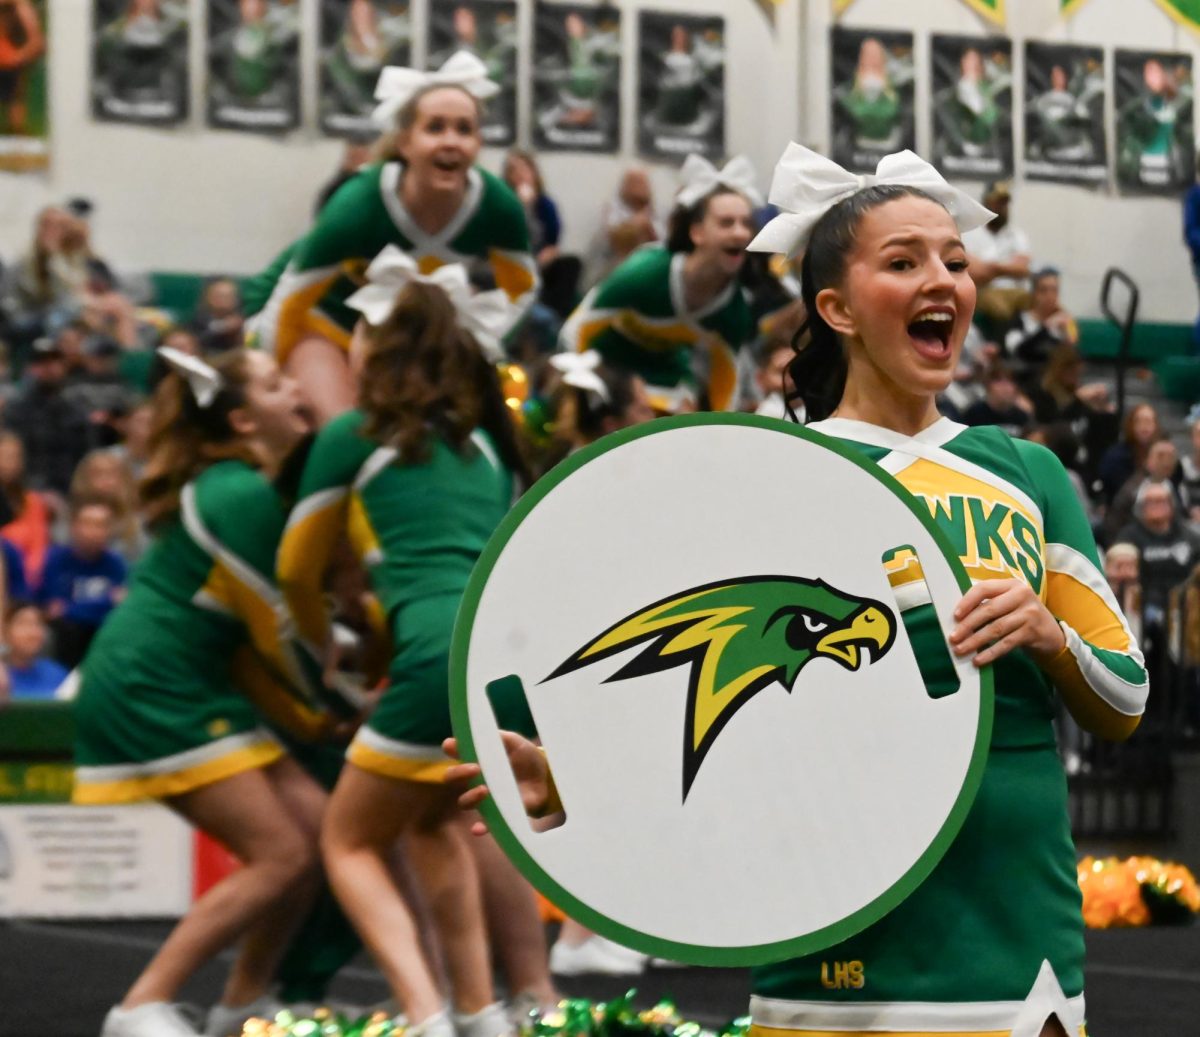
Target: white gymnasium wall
x,y
201,199
1081,232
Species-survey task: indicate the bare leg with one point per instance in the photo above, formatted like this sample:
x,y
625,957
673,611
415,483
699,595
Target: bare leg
x,y
366,815
267,940
324,375
442,859
518,936
1053,1029
245,814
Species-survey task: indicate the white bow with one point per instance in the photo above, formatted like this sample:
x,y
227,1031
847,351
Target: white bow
x,y
203,379
579,371
397,86
807,185
700,177
486,315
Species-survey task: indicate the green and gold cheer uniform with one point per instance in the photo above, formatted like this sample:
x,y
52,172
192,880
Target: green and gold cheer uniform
x,y
170,685
326,266
995,934
418,529
637,318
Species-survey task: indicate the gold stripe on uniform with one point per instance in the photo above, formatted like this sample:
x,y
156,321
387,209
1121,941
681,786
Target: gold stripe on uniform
x,y
175,783
401,768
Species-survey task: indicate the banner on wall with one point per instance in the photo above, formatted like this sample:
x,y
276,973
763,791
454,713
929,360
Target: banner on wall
x,y
253,65
140,62
1069,7
577,77
1065,89
1155,142
488,29
1185,12
358,39
23,108
971,98
681,85
871,96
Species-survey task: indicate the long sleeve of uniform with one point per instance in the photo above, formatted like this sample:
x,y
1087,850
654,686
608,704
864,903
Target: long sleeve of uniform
x,y
1100,673
322,513
238,518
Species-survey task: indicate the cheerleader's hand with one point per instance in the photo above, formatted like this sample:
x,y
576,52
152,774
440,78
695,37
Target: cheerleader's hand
x,y
529,767
996,616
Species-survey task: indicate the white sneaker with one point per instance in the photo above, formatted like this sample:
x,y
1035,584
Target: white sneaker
x,y
228,1020
491,1021
435,1026
154,1019
597,955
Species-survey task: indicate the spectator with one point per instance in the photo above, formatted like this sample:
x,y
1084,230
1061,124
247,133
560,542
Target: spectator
x,y
84,579
521,173
1035,333
999,259
1191,236
1124,579
16,586
54,431
30,673
43,289
97,388
133,446
28,531
1190,467
218,319
106,476
1140,429
106,310
627,222
1167,549
1162,466
999,404
772,380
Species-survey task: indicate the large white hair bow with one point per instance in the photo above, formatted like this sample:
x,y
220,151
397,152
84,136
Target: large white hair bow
x,y
579,370
397,86
699,177
807,185
486,315
203,379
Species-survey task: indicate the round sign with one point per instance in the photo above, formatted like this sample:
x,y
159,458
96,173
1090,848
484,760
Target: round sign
x,y
729,633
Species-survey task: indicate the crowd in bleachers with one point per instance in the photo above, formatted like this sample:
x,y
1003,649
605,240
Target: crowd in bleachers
x,y
77,365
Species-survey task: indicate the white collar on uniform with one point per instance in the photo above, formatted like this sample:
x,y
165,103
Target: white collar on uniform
x,y
938,434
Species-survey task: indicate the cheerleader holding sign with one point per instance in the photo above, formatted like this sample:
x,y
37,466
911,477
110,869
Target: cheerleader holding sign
x,y
992,941
428,199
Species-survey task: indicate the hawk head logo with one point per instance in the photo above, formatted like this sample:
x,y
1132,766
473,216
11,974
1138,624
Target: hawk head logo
x,y
737,637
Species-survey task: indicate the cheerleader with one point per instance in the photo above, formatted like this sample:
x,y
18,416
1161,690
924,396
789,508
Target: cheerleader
x,y
164,711
676,315
428,198
418,477
992,942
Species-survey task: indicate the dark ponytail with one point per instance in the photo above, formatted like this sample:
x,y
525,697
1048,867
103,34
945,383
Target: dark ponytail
x,y
818,370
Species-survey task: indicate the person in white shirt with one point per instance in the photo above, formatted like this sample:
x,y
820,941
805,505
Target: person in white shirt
x,y
1000,259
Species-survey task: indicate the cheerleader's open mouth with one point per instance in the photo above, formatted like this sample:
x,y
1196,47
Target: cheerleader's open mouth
x,y
931,332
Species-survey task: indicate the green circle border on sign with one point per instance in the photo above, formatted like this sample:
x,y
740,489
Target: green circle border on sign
x,y
755,954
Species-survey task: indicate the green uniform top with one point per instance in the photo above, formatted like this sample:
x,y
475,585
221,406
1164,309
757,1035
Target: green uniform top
x,y
638,318
326,266
418,528
969,946
203,590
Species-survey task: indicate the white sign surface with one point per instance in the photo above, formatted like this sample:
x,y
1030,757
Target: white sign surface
x,y
749,759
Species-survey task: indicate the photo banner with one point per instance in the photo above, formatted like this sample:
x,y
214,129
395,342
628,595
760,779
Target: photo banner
x,y
358,38
1069,7
1065,89
871,96
140,62
681,86
253,65
992,10
971,94
23,104
576,77
1154,139
1185,12
488,29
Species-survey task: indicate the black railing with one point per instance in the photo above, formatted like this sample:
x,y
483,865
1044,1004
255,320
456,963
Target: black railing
x,y
1124,318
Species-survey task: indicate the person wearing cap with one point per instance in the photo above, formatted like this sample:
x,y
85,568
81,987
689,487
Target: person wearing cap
x,y
1000,259
54,430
